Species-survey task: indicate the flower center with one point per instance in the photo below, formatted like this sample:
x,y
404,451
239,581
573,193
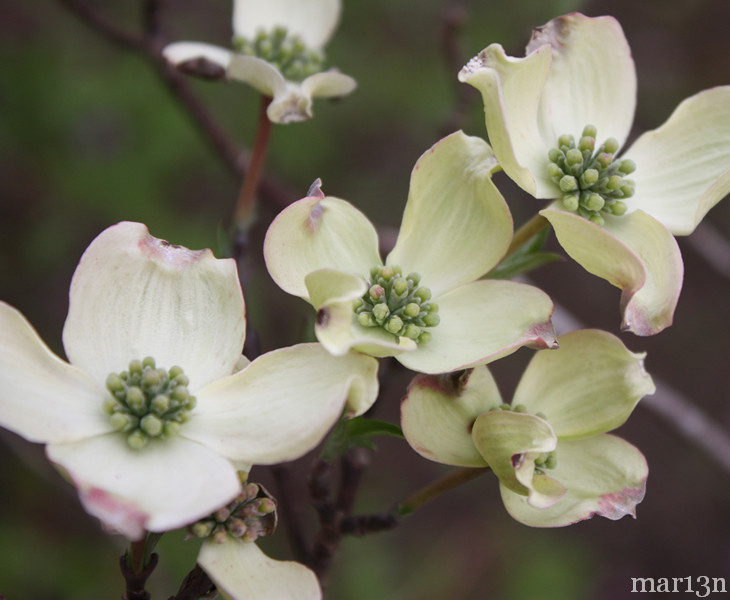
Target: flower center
x,y
251,515
591,181
147,402
397,304
288,53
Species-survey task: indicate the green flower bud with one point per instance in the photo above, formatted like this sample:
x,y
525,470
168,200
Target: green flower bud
x,y
412,310
151,425
137,440
597,219
424,337
431,319
555,173
400,286
202,529
114,383
376,293
610,146
554,155
590,131
568,183
136,399
594,202
135,367
366,319
414,278
412,331
380,313
574,157
627,166
618,208
423,293
394,324
570,202
589,177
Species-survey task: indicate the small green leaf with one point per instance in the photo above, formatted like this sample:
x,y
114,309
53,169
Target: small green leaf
x,y
526,258
356,433
361,427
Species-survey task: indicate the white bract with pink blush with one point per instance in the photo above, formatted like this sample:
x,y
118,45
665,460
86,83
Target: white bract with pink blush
x,y
156,409
426,304
555,462
278,50
557,119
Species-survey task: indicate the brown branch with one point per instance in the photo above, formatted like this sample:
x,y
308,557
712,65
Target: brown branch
x,y
136,575
149,47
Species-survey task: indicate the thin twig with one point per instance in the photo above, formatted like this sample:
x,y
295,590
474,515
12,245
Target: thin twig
x,y
447,483
149,47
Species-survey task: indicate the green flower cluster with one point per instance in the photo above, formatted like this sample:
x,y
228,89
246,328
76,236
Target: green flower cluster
x,y
397,304
251,515
148,402
288,53
592,181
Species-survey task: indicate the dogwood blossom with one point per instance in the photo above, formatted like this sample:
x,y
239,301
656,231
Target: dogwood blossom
x,y
424,304
278,50
148,418
578,82
555,462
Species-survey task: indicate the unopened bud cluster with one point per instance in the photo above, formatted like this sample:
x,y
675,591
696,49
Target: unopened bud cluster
x,y
147,402
397,304
592,181
546,460
288,53
251,515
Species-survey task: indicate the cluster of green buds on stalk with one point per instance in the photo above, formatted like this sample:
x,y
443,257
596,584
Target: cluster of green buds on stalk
x,y
591,181
148,402
398,304
251,515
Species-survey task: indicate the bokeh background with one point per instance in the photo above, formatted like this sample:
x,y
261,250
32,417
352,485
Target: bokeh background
x,y
89,135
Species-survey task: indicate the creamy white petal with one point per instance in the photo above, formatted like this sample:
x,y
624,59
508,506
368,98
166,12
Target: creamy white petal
x,y
589,385
241,571
181,52
456,225
604,475
319,233
683,167
592,78
282,404
166,485
259,74
133,295
438,413
481,322
328,84
511,90
44,399
636,253
313,20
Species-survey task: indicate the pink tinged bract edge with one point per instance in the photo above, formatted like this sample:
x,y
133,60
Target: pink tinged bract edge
x,y
115,514
618,504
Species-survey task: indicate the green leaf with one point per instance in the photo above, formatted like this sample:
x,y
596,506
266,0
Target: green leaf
x,y
526,258
356,433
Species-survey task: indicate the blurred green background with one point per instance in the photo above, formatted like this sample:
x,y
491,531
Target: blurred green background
x,y
90,136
